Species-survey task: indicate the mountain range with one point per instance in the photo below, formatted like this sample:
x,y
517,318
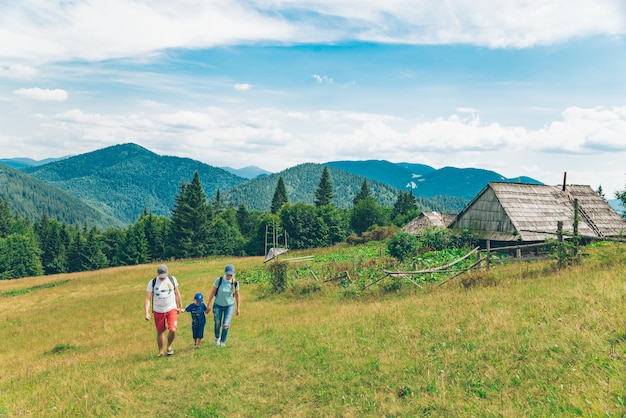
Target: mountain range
x,y
114,185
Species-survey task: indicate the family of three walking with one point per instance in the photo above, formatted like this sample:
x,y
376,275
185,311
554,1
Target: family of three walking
x,y
164,296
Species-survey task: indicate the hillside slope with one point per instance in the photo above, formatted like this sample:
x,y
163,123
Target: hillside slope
x,y
302,180
395,175
32,198
124,179
464,183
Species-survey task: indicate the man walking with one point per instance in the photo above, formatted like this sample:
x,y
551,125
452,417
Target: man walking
x,y
163,293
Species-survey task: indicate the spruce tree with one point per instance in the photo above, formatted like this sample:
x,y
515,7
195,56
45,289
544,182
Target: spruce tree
x,y
405,204
217,202
190,221
76,253
324,194
363,193
5,218
19,256
280,196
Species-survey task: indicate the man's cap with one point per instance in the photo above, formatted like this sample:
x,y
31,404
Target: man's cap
x,y
230,269
162,271
198,297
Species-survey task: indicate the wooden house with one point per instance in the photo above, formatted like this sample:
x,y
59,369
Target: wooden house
x,y
531,213
428,219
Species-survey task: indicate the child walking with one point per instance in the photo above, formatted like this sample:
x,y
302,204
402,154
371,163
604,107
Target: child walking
x,y
198,318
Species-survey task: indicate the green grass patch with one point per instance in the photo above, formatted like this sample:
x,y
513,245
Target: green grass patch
x,y
15,292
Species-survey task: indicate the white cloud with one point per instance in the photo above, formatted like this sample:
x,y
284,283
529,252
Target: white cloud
x,y
322,79
242,87
466,110
586,141
37,93
38,30
152,103
18,71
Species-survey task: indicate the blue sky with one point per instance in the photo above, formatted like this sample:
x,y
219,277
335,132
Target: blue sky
x,y
521,87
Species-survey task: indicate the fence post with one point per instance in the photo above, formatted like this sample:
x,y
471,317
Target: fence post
x,y
488,253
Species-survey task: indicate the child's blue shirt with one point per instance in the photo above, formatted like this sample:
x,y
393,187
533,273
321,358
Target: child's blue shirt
x,y
198,316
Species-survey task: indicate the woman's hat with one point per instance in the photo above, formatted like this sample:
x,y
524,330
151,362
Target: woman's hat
x,y
230,269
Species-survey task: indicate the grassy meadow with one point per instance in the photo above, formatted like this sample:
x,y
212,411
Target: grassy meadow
x,y
524,340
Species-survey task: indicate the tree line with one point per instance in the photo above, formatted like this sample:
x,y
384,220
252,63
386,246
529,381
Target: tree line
x,y
197,227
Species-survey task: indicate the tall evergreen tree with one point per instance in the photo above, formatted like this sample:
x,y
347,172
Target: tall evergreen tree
x,y
245,221
363,193
217,202
19,256
280,196
76,253
337,223
133,249
53,242
324,193
405,204
94,256
5,218
190,221
111,239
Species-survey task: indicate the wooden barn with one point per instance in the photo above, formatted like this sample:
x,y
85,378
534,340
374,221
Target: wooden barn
x,y
428,219
531,212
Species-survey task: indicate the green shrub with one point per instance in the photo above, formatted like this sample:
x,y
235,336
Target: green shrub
x,y
436,238
278,276
403,246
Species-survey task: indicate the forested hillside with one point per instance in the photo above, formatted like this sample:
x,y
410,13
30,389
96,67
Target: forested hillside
x,y
124,179
33,198
300,184
465,183
302,180
395,175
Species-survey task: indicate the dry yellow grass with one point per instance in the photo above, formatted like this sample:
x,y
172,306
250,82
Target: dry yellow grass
x,y
539,343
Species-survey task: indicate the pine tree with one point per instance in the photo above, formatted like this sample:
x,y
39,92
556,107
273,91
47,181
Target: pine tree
x,y
94,256
245,221
405,204
217,202
53,242
191,218
363,193
75,254
280,196
19,256
600,193
5,218
133,249
324,194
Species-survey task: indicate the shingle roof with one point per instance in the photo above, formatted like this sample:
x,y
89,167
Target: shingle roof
x,y
530,212
428,219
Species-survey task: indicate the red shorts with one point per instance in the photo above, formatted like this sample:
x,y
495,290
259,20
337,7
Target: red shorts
x,y
167,320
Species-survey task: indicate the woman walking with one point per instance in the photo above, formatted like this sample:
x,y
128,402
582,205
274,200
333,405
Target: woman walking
x,y
226,293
